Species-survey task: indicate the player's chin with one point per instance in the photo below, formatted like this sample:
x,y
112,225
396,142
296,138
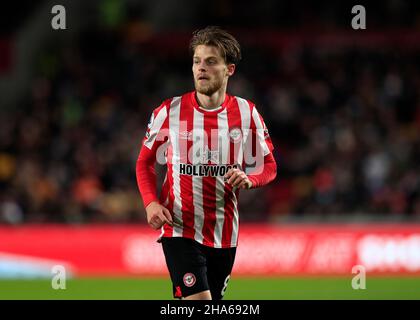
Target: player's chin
x,y
202,89
207,90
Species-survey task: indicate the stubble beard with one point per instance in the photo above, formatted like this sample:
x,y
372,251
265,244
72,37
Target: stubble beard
x,y
210,88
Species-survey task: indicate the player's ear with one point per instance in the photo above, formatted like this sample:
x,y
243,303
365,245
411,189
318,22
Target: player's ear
x,y
230,69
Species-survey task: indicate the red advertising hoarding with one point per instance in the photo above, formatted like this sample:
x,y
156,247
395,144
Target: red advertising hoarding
x,y
120,250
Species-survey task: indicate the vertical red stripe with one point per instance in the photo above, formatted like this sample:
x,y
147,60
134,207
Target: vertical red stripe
x,y
209,183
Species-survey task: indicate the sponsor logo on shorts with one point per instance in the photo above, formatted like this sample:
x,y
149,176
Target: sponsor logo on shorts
x,y
189,279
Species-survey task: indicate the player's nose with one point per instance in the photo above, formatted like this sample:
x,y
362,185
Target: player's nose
x,y
202,66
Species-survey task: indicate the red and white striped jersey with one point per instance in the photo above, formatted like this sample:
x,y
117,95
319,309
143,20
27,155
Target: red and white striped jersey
x,y
199,147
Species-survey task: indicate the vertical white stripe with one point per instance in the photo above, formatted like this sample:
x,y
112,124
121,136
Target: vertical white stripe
x,y
223,134
197,182
162,232
245,111
223,141
156,126
235,222
260,132
174,124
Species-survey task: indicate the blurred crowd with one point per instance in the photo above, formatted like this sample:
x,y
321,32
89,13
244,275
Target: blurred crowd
x,y
345,125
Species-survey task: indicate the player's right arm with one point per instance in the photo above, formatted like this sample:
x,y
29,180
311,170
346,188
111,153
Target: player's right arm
x,y
156,135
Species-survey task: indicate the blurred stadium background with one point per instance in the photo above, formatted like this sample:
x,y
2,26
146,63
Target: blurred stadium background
x,y
343,110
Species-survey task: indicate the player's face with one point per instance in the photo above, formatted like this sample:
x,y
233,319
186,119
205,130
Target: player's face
x,y
210,70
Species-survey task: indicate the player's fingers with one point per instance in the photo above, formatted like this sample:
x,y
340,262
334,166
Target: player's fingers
x,y
229,173
158,220
152,218
163,218
154,221
168,215
158,225
243,184
238,180
233,177
239,177
154,224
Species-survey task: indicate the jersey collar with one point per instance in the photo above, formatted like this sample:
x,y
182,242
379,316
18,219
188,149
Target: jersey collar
x,y
202,110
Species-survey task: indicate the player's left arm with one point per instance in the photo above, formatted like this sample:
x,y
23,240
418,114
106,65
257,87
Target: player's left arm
x,y
238,178
265,169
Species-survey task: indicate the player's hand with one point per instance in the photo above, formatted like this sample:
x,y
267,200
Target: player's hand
x,y
158,215
238,178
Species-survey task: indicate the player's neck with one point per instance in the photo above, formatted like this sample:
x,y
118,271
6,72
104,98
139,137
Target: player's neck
x,y
211,102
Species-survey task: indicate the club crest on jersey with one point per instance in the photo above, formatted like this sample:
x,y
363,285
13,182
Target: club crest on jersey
x,y
235,134
189,279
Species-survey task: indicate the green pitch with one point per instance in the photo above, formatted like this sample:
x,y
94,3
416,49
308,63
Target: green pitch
x,y
239,288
